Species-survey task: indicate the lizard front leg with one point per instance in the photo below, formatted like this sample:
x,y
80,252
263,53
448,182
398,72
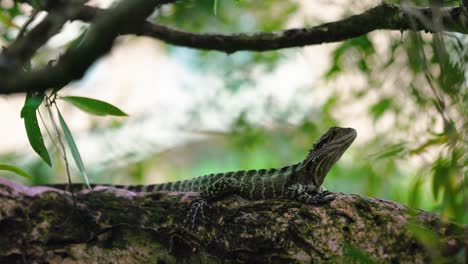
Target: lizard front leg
x,y
307,194
214,191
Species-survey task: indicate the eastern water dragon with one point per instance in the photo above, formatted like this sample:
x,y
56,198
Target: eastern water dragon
x,y
301,181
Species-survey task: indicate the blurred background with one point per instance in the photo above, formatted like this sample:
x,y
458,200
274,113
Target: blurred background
x,y
196,112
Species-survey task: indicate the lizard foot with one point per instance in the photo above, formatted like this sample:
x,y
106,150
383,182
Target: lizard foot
x,y
303,194
195,212
323,197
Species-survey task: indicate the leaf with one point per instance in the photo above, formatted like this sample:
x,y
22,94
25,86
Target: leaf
x,y
441,176
330,104
7,21
431,142
379,108
32,103
33,131
390,151
215,7
414,52
364,48
452,77
15,170
424,235
415,91
357,255
36,4
334,70
94,106
415,193
362,65
73,149
76,43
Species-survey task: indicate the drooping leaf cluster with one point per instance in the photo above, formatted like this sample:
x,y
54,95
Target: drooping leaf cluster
x,y
419,87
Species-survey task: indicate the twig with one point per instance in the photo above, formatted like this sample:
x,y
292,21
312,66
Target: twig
x,y
62,145
28,22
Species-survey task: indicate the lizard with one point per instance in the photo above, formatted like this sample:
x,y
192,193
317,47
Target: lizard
x,y
301,181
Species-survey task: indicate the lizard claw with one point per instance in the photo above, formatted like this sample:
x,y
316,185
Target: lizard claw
x,y
303,194
196,210
322,197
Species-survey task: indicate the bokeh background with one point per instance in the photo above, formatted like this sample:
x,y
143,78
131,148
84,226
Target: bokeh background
x,y
196,112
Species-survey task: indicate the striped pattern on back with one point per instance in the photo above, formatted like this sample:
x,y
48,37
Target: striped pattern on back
x,y
256,184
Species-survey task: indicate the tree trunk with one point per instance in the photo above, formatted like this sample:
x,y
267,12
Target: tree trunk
x,y
42,225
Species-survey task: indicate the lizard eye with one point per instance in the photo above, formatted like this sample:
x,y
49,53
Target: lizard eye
x,y
320,143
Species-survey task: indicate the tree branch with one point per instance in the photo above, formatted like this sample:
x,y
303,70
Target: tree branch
x,y
106,28
40,224
24,47
127,15
384,16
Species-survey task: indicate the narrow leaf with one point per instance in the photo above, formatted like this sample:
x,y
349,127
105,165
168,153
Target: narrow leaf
x,y
379,108
415,193
93,106
431,142
33,131
390,151
32,103
440,178
215,7
15,170
73,149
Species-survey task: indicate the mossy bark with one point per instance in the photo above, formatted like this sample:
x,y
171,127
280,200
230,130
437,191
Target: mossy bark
x,y
39,224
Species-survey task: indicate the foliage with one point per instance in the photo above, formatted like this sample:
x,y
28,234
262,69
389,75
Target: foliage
x,y
29,114
430,78
7,14
93,106
32,126
232,16
15,170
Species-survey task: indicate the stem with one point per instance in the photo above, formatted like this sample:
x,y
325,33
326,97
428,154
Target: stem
x,y
59,138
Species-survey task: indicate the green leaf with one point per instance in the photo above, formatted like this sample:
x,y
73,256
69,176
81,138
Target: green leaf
x,y
441,177
73,149
392,150
15,170
358,255
94,106
414,198
364,48
362,65
76,43
424,235
36,4
8,21
215,7
379,108
33,131
334,70
32,103
440,140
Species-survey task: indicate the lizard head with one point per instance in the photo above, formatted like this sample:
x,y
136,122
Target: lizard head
x,y
325,152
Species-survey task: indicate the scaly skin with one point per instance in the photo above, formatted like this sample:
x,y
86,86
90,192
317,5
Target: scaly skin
x,y
301,181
